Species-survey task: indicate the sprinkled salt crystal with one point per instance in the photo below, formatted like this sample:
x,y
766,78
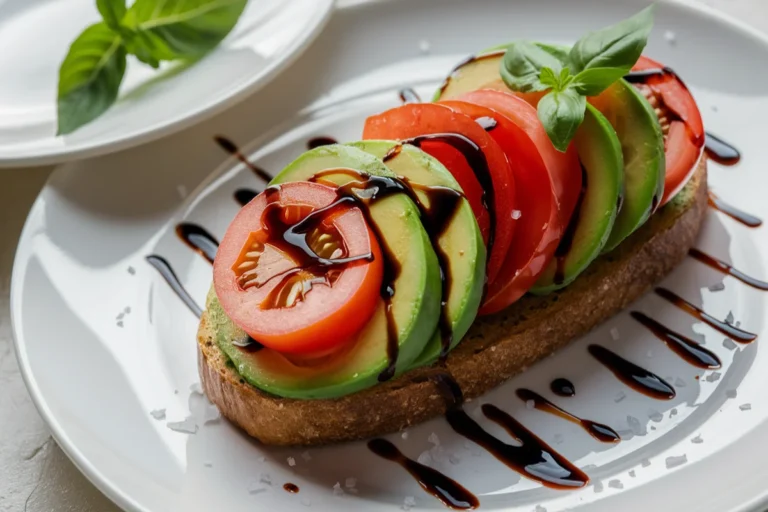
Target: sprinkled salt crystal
x,y
729,344
670,37
598,486
262,459
187,426
256,488
737,324
637,428
433,439
408,503
211,414
208,464
132,271
120,323
424,458
404,435
337,490
697,439
619,397
120,316
182,190
680,383
714,108
558,438
745,407
175,391
196,389
673,412
713,377
127,310
675,460
530,404
265,478
655,415
615,484
453,459
350,482
424,46
158,414
729,319
615,334
516,214
653,428
306,456
717,287
539,508
291,461
306,502
645,463
632,473
649,353
731,393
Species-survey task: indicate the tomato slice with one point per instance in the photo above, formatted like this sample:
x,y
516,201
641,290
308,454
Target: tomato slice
x,y
684,137
564,168
413,120
282,296
539,227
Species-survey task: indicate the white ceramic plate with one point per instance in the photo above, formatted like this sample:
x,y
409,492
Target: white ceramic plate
x,y
35,36
102,340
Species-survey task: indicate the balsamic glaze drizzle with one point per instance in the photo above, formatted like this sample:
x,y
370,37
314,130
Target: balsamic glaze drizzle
x,y
243,196
725,268
736,333
408,95
320,141
634,376
166,271
445,489
231,148
738,215
686,348
563,387
198,239
291,488
721,151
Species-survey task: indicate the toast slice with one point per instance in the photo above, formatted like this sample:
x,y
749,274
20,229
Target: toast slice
x,y
496,347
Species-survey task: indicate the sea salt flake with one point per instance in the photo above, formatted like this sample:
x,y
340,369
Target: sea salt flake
x,y
729,319
127,310
729,344
186,426
424,458
632,473
673,412
598,486
619,397
615,484
697,439
530,404
158,414
713,377
404,435
120,323
291,461
716,287
731,393
615,334
670,37
265,478
196,389
208,464
337,490
453,459
645,463
182,190
306,456
649,353
655,415
350,482
516,214
120,316
558,438
306,502
676,460
132,271
433,439
745,407
408,503
539,508
424,46
637,428
680,383
714,108
262,459
256,488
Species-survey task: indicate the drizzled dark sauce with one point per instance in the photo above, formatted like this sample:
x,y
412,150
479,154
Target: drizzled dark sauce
x,y
408,95
729,330
245,195
563,387
198,239
320,141
564,247
686,348
291,488
636,377
641,76
468,60
165,270
602,433
231,148
720,151
486,123
733,212
445,489
725,268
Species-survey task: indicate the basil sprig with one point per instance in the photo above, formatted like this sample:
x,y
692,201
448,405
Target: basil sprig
x,y
152,31
596,61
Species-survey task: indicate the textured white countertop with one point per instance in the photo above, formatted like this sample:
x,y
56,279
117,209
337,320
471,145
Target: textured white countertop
x,y
35,475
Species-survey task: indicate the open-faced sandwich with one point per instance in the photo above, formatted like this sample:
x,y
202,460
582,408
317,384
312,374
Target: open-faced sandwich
x,y
375,284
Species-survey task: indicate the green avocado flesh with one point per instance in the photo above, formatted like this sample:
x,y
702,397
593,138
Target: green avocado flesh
x,y
415,305
602,163
461,242
642,145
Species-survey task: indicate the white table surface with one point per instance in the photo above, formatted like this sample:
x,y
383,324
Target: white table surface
x,y
35,475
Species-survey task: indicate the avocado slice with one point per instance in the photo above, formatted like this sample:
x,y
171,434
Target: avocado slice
x,y
602,188
415,305
642,146
460,244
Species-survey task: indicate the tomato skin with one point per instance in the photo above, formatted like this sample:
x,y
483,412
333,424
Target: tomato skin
x,y
329,315
684,143
539,226
415,119
564,168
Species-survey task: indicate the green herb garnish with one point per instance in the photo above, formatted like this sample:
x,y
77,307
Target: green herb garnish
x,y
152,31
596,61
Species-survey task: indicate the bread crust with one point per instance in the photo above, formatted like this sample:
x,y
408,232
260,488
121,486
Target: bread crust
x,y
496,348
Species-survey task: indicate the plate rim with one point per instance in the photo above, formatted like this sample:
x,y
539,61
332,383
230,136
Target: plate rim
x,y
21,257
89,149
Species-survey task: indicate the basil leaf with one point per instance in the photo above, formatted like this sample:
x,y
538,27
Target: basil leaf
x,y
112,12
179,29
592,82
561,113
618,46
523,62
89,77
547,77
